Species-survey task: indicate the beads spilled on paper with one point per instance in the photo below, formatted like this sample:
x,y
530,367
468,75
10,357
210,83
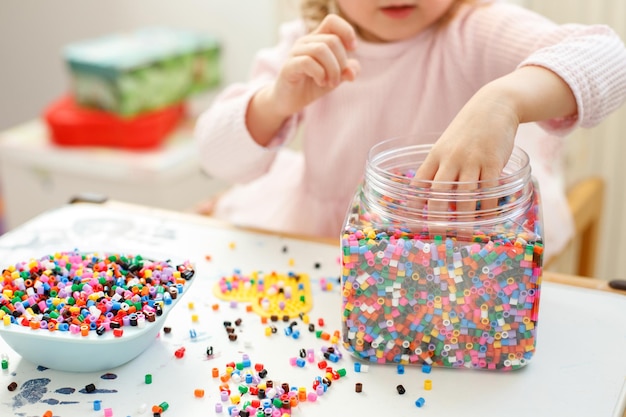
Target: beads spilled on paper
x,y
268,293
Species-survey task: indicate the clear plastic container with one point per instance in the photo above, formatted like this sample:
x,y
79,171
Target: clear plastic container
x,y
443,274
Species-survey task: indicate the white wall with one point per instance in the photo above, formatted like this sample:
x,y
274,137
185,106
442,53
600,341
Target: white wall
x,y
33,33
599,151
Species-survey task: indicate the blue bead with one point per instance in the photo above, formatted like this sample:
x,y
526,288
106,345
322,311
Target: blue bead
x,y
167,298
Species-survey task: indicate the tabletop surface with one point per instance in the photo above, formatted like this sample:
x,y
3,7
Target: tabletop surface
x,y
29,144
578,369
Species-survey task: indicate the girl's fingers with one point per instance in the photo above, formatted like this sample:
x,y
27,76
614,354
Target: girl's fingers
x,y
351,71
335,25
328,51
423,180
309,67
489,177
443,184
327,46
468,189
464,186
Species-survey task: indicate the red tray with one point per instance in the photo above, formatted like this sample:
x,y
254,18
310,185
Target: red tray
x,y
73,125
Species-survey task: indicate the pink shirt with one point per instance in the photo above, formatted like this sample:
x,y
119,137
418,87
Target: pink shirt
x,y
404,88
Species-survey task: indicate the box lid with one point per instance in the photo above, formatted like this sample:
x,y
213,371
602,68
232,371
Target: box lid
x,y
120,52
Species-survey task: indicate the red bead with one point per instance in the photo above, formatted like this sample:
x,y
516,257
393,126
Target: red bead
x,y
180,352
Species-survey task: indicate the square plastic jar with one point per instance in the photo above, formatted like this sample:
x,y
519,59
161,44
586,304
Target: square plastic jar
x,y
424,282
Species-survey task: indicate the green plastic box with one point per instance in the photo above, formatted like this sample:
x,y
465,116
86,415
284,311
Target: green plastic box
x,y
151,68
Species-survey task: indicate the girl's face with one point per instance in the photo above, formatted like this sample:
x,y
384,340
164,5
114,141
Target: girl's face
x,y
392,20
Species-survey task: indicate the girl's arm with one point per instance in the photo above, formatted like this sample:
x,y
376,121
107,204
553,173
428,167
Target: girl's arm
x,y
238,136
480,139
560,76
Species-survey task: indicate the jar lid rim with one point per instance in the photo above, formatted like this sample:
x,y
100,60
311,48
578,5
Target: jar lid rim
x,y
387,148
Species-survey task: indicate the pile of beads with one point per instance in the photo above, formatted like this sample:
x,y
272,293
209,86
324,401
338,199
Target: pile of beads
x,y
85,292
245,390
269,293
412,298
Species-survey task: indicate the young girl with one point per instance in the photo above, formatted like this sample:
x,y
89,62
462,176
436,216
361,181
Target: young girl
x,y
352,73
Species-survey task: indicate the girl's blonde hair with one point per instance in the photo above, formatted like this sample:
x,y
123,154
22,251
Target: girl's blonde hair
x,y
314,11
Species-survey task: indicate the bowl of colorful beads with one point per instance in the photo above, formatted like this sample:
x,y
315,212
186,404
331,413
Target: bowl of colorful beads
x,y
88,311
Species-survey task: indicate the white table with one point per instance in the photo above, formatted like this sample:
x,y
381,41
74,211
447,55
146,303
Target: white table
x,y
36,175
578,369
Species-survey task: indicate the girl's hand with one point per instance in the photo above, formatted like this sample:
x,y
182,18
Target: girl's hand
x,y
478,143
317,64
475,146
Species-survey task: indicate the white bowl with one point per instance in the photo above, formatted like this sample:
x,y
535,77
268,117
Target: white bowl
x,y
73,352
